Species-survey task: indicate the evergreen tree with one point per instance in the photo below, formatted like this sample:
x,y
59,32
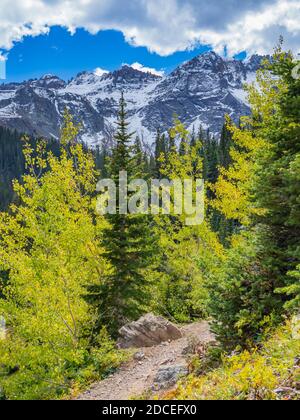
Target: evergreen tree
x,y
12,163
182,147
160,150
101,157
210,173
277,188
140,160
211,160
261,190
193,138
224,227
128,244
152,165
188,251
224,147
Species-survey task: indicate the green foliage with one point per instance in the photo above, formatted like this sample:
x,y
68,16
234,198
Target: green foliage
x,y
69,277
259,190
140,160
12,162
241,303
292,290
49,253
188,255
160,149
188,252
277,183
250,375
128,243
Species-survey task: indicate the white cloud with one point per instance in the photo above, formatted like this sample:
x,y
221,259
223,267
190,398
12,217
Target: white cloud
x,y
100,72
163,26
140,67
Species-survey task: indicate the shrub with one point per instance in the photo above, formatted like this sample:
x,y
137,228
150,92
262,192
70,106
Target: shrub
x,y
255,375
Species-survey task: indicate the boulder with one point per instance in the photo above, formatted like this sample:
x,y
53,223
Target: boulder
x,y
148,331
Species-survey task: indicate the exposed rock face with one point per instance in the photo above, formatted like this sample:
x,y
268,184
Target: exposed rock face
x,y
200,91
148,331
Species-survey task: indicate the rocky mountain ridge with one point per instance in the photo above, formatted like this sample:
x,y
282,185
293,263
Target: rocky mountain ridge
x,y
200,91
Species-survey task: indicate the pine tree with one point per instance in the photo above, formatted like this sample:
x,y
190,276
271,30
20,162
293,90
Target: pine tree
x,y
140,160
277,188
128,244
101,157
152,166
224,227
224,147
210,173
193,138
160,150
12,163
182,147
261,190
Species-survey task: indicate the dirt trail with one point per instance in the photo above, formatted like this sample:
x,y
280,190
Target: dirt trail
x,y
136,377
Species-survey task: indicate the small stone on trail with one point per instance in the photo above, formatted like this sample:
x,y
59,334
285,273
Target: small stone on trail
x,y
139,356
168,376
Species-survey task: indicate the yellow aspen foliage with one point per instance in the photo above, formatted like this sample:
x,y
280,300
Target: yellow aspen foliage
x,y
250,375
189,252
49,253
234,188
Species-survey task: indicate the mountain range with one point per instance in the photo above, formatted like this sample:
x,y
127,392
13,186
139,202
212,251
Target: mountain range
x,y
199,92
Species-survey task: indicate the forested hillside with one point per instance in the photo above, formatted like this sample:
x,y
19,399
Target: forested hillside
x,y
12,165
12,162
71,276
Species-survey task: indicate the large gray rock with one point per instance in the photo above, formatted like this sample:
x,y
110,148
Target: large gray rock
x,y
148,331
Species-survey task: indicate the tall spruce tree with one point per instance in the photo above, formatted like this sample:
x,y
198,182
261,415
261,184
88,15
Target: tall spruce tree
x,y
140,160
225,146
160,149
261,190
128,242
277,189
210,173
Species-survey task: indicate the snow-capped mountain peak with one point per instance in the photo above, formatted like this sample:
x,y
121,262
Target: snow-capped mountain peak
x,y
200,91
49,81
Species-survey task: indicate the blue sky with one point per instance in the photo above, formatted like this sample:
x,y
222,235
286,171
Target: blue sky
x,y
65,55
68,36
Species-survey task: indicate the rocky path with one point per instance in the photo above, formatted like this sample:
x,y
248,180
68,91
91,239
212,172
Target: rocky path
x,y
150,365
